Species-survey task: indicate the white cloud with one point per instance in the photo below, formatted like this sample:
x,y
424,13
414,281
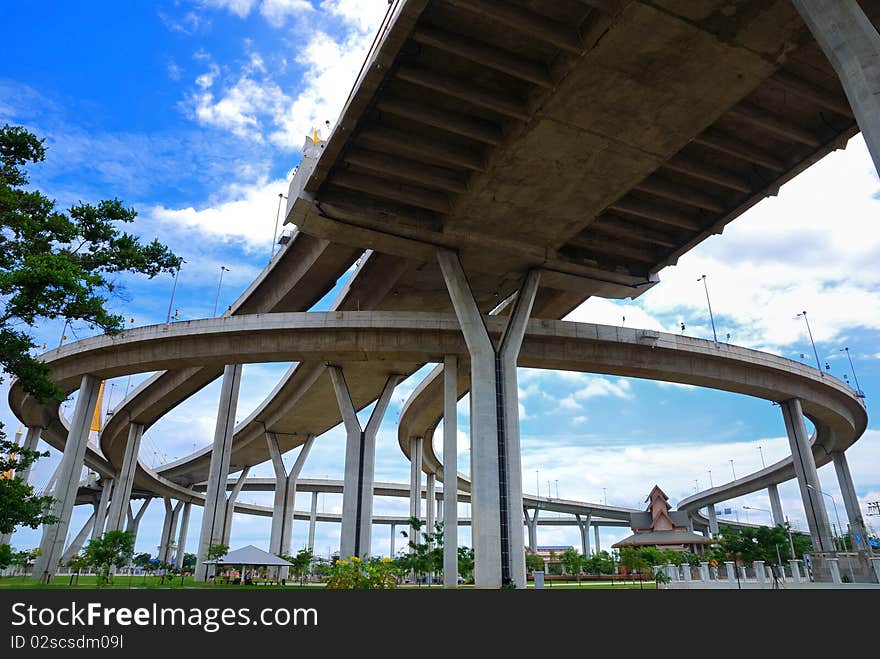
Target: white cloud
x,y
276,12
245,213
240,108
580,420
240,8
174,71
619,388
569,403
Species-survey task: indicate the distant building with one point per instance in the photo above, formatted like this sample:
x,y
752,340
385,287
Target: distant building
x,y
550,553
662,528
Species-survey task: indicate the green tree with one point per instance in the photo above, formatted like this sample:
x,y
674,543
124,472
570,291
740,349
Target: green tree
x,y
534,561
113,549
601,563
6,556
571,561
19,505
425,557
216,552
189,561
302,563
76,565
145,562
466,563
53,264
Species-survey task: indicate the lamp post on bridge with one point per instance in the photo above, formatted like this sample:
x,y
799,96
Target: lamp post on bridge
x,y
813,343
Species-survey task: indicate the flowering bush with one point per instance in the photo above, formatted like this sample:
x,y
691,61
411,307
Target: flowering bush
x,y
355,574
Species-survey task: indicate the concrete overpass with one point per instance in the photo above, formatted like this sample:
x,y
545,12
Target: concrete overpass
x,y
498,156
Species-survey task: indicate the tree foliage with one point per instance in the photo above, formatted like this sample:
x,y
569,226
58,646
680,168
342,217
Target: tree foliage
x,y
19,505
768,544
58,264
113,549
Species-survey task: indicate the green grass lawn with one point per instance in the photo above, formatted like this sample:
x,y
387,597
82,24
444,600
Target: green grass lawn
x,y
88,582
123,582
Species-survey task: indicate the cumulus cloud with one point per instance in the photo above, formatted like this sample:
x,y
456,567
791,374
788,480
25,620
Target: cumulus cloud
x,y
276,12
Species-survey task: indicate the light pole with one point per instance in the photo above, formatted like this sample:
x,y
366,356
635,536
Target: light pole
x,y
711,485
859,392
761,451
763,510
223,269
537,483
173,289
813,343
711,317
277,215
605,496
835,510
732,469
790,541
557,488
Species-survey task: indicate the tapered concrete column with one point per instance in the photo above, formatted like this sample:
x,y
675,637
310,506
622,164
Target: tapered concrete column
x,y
31,439
415,479
134,520
52,543
285,494
776,506
808,479
313,520
181,539
101,510
731,571
169,530
584,526
496,471
596,534
360,463
450,471
230,504
532,525
834,567
125,479
760,574
78,540
795,570
430,499
713,519
852,46
214,515
391,544
850,501
875,563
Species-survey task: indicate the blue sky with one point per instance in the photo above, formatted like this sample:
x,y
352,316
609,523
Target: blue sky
x,y
194,112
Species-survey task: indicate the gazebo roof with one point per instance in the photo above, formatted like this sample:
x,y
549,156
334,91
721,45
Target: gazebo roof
x,y
249,555
663,538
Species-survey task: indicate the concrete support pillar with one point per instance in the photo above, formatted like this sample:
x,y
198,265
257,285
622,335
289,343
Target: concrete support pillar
x,y
134,520
52,543
450,471
360,462
415,479
496,470
313,520
850,501
101,510
31,439
713,520
169,530
584,526
807,477
852,46
532,525
391,544
285,495
214,515
125,479
731,571
230,504
834,567
74,548
795,570
596,534
776,506
430,500
181,539
760,573
875,563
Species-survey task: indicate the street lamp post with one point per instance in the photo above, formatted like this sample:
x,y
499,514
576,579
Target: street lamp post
x,y
859,392
761,451
173,290
763,510
732,470
711,317
223,269
277,215
836,515
605,496
813,343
